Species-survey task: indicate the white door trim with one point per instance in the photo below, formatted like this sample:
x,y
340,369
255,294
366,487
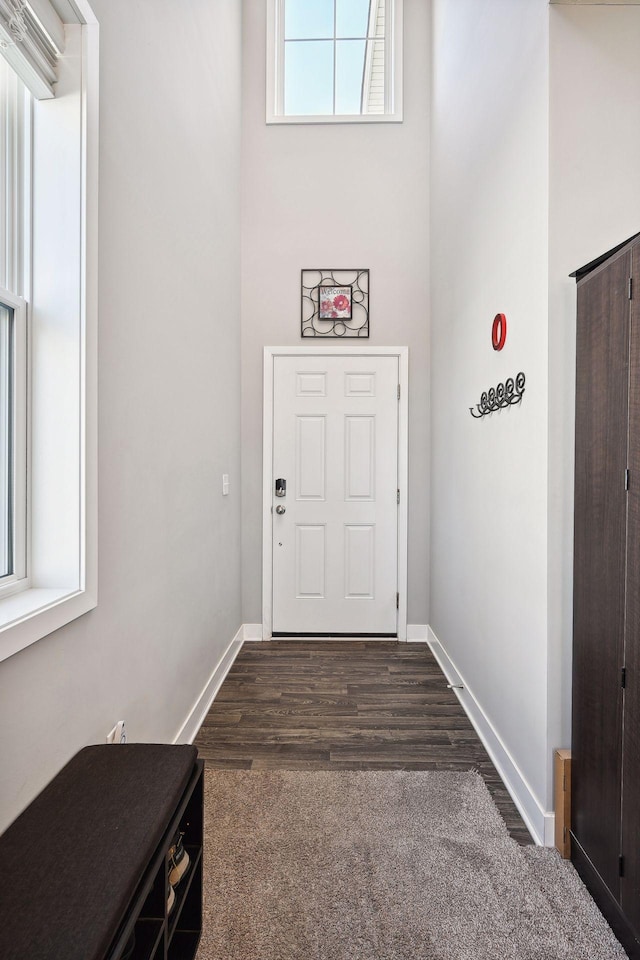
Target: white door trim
x,y
402,353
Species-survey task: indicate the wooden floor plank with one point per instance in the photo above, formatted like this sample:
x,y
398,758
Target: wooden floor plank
x,y
345,705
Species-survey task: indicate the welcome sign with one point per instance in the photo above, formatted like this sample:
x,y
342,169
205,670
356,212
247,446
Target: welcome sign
x,y
334,303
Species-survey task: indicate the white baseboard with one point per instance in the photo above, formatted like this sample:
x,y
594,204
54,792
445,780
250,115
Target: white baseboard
x,y
540,822
198,712
416,633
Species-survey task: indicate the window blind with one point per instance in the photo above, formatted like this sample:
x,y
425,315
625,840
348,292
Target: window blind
x,y
31,40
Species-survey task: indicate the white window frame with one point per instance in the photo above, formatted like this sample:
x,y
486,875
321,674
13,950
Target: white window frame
x,y
19,361
275,72
61,545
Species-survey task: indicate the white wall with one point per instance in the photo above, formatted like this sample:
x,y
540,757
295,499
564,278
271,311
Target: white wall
x,y
595,204
489,255
331,196
169,575
505,160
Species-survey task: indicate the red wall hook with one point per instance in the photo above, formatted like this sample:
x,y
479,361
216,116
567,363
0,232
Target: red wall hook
x,y
499,331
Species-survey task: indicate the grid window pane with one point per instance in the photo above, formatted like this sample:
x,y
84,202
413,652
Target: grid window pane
x,y
6,441
14,179
350,55
334,58
308,19
308,70
352,18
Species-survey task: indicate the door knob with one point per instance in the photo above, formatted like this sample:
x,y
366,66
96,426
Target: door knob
x,y
280,509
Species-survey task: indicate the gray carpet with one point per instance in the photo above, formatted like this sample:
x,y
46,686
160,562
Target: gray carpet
x,y
382,866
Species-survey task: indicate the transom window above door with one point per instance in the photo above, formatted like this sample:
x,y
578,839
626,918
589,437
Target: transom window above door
x,y
334,61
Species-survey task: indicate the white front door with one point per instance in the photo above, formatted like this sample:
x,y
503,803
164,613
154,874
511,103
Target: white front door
x,y
335,530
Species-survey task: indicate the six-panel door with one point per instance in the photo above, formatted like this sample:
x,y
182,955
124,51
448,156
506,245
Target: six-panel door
x,y
335,546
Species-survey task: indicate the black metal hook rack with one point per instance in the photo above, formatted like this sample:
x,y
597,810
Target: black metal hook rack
x,y
506,394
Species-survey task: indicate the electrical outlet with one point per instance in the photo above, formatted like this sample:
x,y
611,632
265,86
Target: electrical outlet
x,y
118,734
225,484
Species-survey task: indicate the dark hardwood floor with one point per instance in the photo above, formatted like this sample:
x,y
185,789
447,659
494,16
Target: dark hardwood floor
x,y
326,705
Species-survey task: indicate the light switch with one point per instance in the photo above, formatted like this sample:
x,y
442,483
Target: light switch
x,y
225,484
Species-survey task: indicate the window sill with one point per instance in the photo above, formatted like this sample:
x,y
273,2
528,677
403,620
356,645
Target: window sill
x,y
347,118
28,616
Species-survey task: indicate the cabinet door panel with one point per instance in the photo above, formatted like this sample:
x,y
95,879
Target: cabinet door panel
x,y
630,884
599,562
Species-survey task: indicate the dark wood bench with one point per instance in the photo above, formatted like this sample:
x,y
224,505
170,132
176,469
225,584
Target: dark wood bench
x,y
85,867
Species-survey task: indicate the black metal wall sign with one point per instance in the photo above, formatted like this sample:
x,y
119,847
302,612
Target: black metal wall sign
x,y
335,303
506,394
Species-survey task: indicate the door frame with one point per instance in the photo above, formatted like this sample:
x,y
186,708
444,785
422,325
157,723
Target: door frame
x,y
270,353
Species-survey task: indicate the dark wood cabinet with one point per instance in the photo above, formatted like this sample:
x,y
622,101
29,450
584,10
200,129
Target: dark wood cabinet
x,y
605,801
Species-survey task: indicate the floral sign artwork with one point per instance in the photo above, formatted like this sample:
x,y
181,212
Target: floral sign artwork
x,y
335,303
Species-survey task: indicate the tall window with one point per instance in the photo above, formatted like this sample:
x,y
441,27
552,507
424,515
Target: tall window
x,y
334,60
48,314
15,218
